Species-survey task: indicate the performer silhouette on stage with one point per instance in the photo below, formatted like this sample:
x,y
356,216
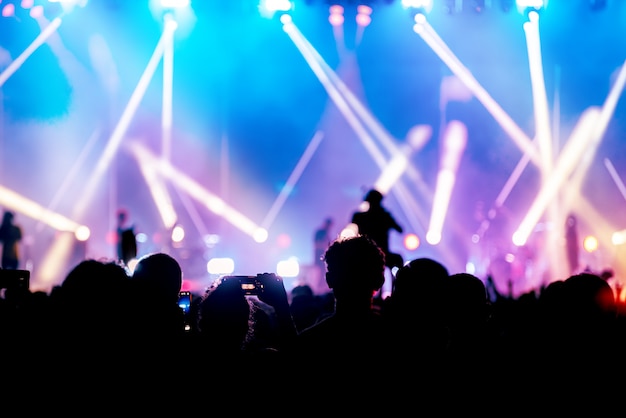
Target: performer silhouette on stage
x,y
572,244
126,239
10,237
376,222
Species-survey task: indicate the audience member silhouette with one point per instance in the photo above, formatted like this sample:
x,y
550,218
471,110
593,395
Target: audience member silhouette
x,y
415,311
91,304
155,284
244,330
348,343
577,336
10,237
579,314
88,336
439,330
306,307
376,222
466,313
223,320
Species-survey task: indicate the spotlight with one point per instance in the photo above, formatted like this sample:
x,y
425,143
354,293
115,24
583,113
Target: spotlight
x,y
526,6
8,10
175,4
363,17
219,266
336,15
268,8
288,268
418,6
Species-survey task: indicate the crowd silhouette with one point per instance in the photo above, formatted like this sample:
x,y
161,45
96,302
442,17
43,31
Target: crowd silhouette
x,y
438,332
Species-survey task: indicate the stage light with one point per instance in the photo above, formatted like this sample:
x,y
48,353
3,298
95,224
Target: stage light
x,y
363,17
14,201
8,10
526,6
540,101
268,8
219,266
171,12
590,243
411,242
619,237
276,5
175,4
211,240
156,187
615,176
260,235
520,138
200,194
455,139
283,241
570,156
417,137
418,5
178,234
288,268
36,12
117,136
360,120
69,5
82,233
350,230
336,15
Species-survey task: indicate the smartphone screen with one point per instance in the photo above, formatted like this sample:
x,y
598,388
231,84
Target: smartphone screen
x,y
184,300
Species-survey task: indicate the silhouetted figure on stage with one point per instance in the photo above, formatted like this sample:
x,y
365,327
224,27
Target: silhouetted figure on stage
x,y
126,239
376,222
572,244
321,241
10,237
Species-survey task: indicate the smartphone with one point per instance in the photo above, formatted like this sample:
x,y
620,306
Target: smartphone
x,y
250,285
184,300
14,279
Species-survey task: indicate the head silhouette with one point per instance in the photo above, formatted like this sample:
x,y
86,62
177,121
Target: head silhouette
x,y
355,267
374,197
8,217
161,274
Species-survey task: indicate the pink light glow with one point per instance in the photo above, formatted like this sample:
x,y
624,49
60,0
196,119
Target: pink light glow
x,y
8,10
336,19
36,12
363,20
